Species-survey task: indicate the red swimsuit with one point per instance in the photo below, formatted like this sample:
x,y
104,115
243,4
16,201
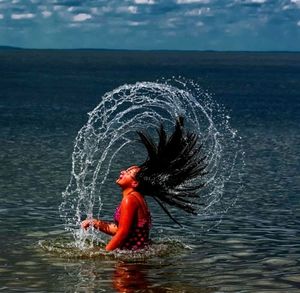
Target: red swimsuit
x,y
138,236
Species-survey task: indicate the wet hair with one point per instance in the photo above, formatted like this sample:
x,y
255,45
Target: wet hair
x,y
173,168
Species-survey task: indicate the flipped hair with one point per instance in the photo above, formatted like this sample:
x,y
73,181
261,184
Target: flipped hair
x,y
173,168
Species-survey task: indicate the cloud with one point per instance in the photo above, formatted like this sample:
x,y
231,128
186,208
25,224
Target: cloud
x,y
297,2
94,10
257,1
199,23
137,23
252,2
22,16
192,1
171,23
129,19
46,13
195,12
57,7
149,2
127,9
81,17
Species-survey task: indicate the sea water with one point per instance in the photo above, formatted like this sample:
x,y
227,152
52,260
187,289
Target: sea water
x,y
44,100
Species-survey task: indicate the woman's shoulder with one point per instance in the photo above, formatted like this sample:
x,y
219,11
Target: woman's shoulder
x,y
134,198
137,197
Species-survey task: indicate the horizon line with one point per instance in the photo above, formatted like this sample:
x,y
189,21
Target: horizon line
x,y
4,47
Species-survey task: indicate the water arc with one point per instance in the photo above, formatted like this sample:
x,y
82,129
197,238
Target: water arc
x,y
103,142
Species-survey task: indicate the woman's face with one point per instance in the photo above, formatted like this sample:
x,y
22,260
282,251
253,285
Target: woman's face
x,y
127,177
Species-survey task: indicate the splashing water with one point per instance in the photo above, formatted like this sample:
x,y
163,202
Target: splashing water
x,y
109,139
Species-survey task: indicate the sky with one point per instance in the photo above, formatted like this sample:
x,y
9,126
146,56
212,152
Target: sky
x,y
251,25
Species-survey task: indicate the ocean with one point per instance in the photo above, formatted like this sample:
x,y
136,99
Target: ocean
x,y
45,96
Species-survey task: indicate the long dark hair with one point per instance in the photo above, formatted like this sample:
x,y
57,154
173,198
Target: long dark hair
x,y
173,172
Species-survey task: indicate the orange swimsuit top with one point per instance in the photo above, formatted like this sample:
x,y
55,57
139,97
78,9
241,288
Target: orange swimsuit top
x,y
138,236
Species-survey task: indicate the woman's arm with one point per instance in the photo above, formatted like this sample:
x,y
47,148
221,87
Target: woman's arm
x,y
106,227
129,207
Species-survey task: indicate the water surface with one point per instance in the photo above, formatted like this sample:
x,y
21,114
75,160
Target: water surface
x,y
44,98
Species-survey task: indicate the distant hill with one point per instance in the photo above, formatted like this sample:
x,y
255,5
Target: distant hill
x,y
9,48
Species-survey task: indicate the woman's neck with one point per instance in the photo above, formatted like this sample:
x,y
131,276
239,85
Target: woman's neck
x,y
127,191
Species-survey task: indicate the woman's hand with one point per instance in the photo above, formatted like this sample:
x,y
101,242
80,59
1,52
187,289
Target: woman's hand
x,y
106,227
88,223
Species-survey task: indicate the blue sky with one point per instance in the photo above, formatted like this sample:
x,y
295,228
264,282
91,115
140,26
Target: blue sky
x,y
152,24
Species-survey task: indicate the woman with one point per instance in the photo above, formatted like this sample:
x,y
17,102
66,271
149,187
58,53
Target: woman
x,y
132,217
170,175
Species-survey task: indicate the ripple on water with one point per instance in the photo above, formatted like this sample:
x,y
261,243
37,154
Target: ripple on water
x,y
216,258
270,283
67,249
279,261
37,234
21,273
3,259
245,253
293,278
26,263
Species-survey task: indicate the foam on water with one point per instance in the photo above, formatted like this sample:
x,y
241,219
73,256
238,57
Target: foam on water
x,y
63,247
108,140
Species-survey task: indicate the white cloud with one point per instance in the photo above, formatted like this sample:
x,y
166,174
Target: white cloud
x,y
172,22
195,12
199,23
137,23
94,10
1,16
57,7
22,16
106,9
298,23
46,13
250,1
192,1
74,25
149,2
297,2
127,9
258,1
81,17
286,7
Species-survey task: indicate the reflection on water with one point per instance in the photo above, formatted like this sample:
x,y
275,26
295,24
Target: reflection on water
x,y
94,270
130,278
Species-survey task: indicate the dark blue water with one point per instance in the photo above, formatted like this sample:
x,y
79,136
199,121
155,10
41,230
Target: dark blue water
x,y
44,98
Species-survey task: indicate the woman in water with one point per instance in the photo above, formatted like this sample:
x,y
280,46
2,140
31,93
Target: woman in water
x,y
170,175
132,220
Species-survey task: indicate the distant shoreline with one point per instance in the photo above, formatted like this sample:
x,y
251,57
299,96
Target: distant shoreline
x,y
12,48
